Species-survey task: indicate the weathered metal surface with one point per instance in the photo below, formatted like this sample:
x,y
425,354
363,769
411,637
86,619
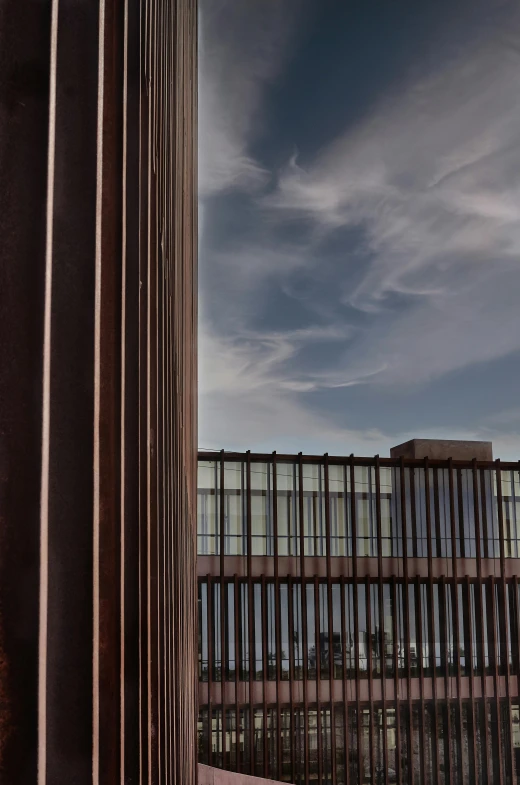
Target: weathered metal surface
x,y
97,391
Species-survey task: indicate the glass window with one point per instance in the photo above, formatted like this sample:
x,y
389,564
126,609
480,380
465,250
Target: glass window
x,y
271,631
511,512
401,638
207,507
262,509
311,632
385,502
450,631
419,492
217,633
425,629
485,627
414,648
388,629
350,642
257,632
203,736
235,539
499,629
284,624
203,631
366,510
298,631
468,513
489,513
474,629
324,631
339,505
230,629
437,643
337,644
287,509
244,632
362,629
313,510
463,631
375,629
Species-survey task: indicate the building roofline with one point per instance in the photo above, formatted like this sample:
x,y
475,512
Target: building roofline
x,y
212,455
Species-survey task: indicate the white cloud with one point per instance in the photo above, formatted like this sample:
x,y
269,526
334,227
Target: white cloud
x,y
431,174
241,48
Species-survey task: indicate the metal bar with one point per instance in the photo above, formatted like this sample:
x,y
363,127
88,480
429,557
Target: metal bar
x,y
304,619
431,624
355,600
222,586
496,677
503,610
446,587
455,596
472,743
397,681
360,460
406,614
368,603
318,674
265,668
418,614
251,614
237,672
210,669
290,588
478,604
330,621
344,680
381,613
277,620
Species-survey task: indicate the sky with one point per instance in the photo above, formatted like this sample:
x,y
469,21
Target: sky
x,y
359,224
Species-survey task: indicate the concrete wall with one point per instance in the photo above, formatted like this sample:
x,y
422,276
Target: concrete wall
x,y
211,776
443,449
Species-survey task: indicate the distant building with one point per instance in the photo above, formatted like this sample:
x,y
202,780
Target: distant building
x,y
359,617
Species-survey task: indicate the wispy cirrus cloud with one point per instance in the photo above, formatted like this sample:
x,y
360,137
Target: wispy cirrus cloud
x,y
242,46
388,258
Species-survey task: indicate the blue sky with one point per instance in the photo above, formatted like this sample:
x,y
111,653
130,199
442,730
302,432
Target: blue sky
x,y
359,224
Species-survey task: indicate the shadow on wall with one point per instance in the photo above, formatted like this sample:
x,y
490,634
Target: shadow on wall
x,y
211,776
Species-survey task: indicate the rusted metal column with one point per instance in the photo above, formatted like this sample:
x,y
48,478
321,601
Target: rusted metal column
x,y
397,696
355,600
251,616
290,588
210,669
304,619
223,603
381,613
406,612
508,763
330,622
478,605
455,596
278,630
82,277
344,685
431,623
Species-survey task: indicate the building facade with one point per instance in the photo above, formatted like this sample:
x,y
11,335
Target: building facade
x,y
359,619
98,326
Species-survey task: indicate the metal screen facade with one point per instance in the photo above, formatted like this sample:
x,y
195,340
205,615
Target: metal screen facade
x,y
359,619
98,392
